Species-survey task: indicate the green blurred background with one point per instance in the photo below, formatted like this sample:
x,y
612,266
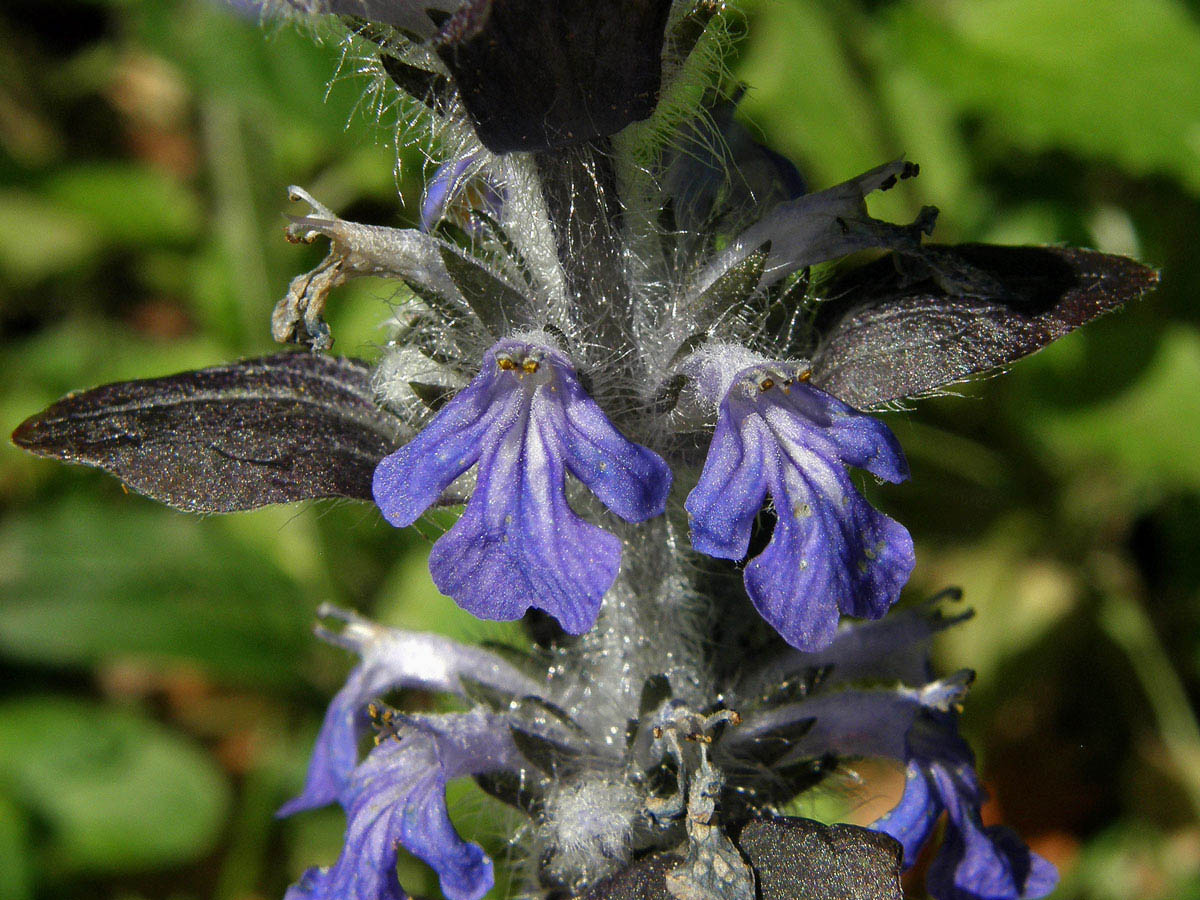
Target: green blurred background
x,y
159,690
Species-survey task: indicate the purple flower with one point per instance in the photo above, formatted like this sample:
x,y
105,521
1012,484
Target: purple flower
x,y
974,862
397,797
830,551
526,421
458,183
391,659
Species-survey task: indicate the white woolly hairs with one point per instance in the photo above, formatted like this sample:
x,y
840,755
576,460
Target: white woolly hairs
x,y
588,827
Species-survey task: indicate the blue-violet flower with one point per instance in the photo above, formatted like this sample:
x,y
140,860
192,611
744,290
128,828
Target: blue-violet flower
x,y
526,420
458,183
830,551
391,659
397,797
974,862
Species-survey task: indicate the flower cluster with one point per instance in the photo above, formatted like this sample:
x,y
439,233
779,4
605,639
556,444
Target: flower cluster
x,y
632,351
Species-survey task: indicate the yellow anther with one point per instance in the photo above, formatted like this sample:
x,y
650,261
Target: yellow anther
x,y
766,384
530,366
805,376
505,363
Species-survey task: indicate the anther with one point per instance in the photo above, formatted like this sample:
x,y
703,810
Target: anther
x,y
530,366
805,376
505,363
384,720
766,384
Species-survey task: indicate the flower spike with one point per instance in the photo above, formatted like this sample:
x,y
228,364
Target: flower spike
x,y
526,421
830,551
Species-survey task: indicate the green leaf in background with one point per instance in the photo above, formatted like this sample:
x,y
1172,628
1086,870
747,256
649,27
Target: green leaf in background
x,y
1148,433
1136,859
16,868
39,238
1114,80
799,62
113,789
127,204
1000,571
83,587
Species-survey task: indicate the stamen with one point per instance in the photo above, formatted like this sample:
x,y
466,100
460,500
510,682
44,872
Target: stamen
x,y
383,719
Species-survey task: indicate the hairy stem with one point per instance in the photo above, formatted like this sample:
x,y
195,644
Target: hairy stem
x,y
579,187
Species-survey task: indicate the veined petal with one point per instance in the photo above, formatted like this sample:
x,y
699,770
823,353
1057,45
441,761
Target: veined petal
x,y
391,659
830,552
978,863
827,554
974,862
526,420
912,821
722,507
410,480
335,754
397,798
858,440
797,582
519,545
628,478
